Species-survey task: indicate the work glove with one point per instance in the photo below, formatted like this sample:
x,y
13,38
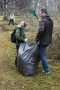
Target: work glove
x,y
25,40
37,41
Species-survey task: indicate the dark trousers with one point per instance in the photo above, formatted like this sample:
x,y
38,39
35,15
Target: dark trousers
x,y
17,47
11,22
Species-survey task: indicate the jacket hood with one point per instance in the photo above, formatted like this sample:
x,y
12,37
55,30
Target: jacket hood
x,y
47,17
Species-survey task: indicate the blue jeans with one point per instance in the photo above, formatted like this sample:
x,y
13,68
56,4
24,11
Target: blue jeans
x,y
42,53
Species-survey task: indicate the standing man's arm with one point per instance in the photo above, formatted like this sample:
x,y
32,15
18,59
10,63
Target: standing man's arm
x,y
40,30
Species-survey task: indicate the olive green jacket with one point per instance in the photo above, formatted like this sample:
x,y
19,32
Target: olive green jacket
x,y
20,36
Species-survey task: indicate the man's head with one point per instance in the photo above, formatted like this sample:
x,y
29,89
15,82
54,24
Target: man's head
x,y
43,12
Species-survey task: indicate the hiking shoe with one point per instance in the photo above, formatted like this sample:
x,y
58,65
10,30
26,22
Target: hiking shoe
x,y
45,72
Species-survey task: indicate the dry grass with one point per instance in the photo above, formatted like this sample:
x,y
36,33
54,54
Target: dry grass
x,y
12,79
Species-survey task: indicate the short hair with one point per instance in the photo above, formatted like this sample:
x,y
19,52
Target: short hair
x,y
44,10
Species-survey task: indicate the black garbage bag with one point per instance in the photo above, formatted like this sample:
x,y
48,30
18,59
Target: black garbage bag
x,y
28,57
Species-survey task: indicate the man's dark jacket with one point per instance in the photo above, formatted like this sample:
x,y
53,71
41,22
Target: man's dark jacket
x,y
44,35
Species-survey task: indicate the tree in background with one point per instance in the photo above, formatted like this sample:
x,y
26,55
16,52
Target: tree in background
x,y
3,5
53,6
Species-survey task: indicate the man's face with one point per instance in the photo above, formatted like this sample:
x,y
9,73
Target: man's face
x,y
42,14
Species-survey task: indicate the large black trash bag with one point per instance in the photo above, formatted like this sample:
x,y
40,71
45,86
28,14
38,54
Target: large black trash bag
x,y
28,58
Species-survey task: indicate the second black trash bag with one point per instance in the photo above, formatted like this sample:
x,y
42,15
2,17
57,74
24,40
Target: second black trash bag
x,y
28,58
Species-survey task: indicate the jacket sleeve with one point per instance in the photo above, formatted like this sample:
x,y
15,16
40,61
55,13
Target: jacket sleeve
x,y
18,35
40,30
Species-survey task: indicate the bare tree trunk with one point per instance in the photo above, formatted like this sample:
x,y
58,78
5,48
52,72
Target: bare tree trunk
x,y
5,16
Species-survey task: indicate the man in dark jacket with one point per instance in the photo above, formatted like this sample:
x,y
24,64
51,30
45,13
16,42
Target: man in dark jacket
x,y
44,37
